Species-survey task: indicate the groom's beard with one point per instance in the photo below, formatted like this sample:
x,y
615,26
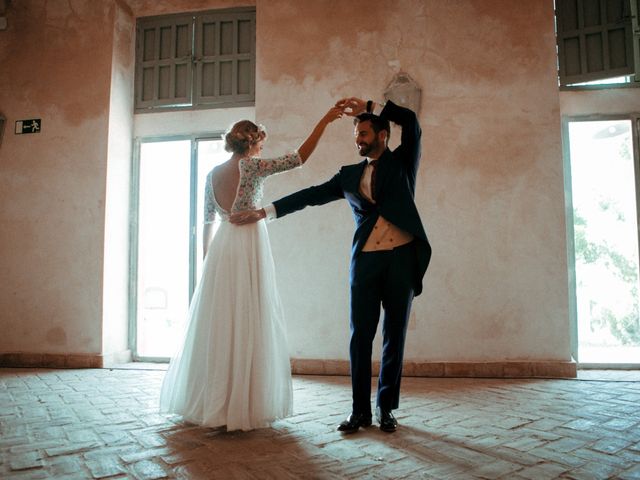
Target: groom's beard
x,y
366,148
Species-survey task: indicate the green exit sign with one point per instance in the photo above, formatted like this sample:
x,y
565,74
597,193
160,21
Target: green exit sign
x,y
32,125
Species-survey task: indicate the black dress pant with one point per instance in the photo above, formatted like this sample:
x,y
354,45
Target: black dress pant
x,y
384,278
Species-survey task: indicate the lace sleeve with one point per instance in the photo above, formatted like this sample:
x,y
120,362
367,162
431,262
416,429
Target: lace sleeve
x,y
268,167
209,206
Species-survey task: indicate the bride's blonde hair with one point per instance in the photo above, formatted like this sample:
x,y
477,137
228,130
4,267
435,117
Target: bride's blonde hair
x,y
242,136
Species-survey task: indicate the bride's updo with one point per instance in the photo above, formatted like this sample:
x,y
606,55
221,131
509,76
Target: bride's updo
x,y
242,136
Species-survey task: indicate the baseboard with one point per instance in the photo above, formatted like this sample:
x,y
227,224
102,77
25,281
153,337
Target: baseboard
x,y
63,360
542,369
301,366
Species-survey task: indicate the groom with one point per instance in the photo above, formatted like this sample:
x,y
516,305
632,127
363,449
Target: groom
x,y
390,250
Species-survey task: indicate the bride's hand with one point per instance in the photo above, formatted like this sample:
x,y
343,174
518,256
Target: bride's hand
x,y
333,114
247,216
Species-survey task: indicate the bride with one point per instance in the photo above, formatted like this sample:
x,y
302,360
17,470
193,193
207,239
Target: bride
x,y
232,368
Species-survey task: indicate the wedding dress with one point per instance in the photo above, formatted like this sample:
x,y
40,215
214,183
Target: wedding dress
x,y
232,368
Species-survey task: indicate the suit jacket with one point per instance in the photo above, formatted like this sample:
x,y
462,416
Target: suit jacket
x,y
394,191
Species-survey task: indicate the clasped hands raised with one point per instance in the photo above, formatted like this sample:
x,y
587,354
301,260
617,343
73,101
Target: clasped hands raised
x,y
350,107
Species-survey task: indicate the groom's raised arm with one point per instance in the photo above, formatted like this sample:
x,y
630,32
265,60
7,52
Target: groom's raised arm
x,y
411,132
409,150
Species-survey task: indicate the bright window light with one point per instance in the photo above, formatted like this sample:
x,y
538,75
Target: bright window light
x,y
606,81
605,241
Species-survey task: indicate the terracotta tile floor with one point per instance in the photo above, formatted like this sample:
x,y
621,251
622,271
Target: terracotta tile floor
x,y
74,424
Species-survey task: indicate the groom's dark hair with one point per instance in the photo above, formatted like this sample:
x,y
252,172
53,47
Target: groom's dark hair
x,y
377,123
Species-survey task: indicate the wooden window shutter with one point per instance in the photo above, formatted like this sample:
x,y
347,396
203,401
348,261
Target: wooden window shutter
x,y
225,59
635,36
199,60
164,51
594,40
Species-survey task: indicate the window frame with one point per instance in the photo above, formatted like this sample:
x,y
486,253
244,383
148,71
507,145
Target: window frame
x,y
134,219
569,222
194,61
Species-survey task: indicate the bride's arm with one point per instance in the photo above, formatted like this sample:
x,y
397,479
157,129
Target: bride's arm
x,y
209,214
309,145
266,167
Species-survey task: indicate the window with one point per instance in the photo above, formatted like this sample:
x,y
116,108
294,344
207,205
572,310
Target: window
x,y
602,226
168,186
201,60
596,42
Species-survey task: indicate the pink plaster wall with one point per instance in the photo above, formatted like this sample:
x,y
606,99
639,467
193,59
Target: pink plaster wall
x,y
146,8
490,188
115,344
56,65
614,101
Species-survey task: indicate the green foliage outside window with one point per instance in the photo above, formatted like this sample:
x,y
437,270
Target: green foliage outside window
x,y
623,324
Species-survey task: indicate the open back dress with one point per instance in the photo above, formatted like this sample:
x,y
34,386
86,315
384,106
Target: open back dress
x,y
232,367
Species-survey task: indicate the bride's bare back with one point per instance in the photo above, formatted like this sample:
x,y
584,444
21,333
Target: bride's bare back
x,y
225,183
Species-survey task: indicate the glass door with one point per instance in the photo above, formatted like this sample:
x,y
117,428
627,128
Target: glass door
x,y
167,244
605,240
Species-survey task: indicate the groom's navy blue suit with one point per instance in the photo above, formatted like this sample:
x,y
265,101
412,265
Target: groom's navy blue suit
x,y
389,278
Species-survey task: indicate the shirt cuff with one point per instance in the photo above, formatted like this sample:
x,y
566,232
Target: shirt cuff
x,y
378,108
271,212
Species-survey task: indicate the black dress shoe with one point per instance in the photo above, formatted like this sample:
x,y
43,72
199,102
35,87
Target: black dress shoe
x,y
387,421
354,422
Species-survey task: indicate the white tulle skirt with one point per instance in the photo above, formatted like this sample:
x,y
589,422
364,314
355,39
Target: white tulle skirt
x,y
233,366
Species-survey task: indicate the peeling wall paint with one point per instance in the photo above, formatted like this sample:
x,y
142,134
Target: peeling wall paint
x,y
490,186
56,64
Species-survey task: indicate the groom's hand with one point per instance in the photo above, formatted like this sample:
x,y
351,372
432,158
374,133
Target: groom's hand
x,y
247,216
352,106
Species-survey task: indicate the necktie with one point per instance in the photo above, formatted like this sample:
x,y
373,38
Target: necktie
x,y
374,165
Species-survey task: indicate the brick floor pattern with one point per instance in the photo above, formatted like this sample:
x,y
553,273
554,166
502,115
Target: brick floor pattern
x,y
77,424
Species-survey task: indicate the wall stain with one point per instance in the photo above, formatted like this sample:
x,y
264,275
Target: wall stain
x,y
143,8
56,336
63,37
